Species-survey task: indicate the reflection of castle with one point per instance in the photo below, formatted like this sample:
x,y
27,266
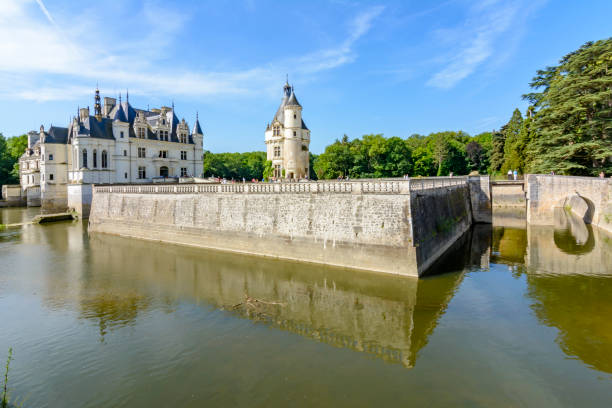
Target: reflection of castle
x,y
379,314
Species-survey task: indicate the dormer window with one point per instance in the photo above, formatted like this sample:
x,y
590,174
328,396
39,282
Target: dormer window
x,y
183,138
276,131
163,121
141,133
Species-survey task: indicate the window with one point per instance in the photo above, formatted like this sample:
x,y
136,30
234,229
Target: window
x,y
183,155
95,158
163,135
294,133
142,172
141,152
104,159
163,121
125,175
276,130
84,164
125,152
183,171
183,138
277,171
141,133
277,151
50,156
294,116
121,134
50,176
163,154
166,135
163,171
304,148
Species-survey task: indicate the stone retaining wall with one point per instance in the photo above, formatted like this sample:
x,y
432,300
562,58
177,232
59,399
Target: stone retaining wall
x,y
356,224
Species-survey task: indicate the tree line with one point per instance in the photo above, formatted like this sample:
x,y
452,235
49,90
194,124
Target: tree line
x,y
567,129
11,150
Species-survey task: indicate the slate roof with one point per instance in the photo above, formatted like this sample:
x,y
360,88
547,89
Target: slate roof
x,y
289,99
197,130
103,129
56,134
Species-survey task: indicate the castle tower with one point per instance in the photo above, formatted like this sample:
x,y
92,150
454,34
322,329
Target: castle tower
x,y
288,139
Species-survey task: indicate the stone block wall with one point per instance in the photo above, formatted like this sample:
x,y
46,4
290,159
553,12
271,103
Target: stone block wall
x,y
545,193
79,199
508,194
33,196
357,224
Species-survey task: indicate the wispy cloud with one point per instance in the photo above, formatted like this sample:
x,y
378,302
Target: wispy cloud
x,y
476,39
44,62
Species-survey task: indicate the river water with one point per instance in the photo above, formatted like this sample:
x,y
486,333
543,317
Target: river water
x,y
516,317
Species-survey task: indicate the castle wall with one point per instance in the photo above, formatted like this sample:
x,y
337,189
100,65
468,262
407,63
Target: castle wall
x,y
79,198
358,224
545,193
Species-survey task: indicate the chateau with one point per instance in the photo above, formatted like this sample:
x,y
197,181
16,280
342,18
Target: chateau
x,y
117,144
288,139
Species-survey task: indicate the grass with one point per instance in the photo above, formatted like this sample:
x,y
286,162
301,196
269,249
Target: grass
x,y
5,401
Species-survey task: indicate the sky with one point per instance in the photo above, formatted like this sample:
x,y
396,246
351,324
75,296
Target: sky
x,y
358,67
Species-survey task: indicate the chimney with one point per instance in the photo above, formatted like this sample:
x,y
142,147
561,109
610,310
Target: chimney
x,y
109,104
84,113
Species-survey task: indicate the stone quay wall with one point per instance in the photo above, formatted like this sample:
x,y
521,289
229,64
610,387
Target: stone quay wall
x,y
545,193
364,224
508,194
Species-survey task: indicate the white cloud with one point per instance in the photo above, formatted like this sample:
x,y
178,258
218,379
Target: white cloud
x,y
54,57
477,38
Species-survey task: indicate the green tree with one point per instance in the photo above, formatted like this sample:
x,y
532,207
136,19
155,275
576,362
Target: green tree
x,y
268,170
573,121
498,141
11,150
513,156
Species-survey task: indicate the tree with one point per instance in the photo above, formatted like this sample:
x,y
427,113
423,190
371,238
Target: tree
x,y
573,120
498,141
512,156
11,150
268,170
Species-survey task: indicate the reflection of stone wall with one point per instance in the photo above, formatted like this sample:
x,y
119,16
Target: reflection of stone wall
x,y
366,312
547,254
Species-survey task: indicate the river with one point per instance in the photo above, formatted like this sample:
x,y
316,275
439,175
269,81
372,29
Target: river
x,y
515,316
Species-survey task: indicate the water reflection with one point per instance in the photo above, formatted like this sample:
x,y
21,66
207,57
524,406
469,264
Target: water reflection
x,y
568,270
383,315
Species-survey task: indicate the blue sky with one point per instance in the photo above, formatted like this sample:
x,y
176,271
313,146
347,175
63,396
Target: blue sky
x,y
393,67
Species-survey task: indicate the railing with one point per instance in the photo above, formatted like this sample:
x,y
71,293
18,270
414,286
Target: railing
x,y
436,182
371,186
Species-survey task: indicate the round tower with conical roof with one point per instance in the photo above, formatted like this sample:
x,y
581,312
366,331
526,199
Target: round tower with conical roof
x,y
288,139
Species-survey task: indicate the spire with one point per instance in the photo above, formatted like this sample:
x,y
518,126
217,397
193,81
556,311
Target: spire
x,y
97,106
197,130
287,88
127,95
119,98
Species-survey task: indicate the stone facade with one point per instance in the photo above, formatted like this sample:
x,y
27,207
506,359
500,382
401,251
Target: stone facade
x,y
364,224
288,139
117,144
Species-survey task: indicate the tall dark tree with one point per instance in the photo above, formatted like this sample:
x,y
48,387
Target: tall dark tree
x,y
498,141
512,155
573,120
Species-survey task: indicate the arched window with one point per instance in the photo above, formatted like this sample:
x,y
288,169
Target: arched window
x,y
104,159
84,158
95,159
163,171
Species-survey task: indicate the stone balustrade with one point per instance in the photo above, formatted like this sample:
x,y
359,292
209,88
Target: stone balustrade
x,y
364,186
